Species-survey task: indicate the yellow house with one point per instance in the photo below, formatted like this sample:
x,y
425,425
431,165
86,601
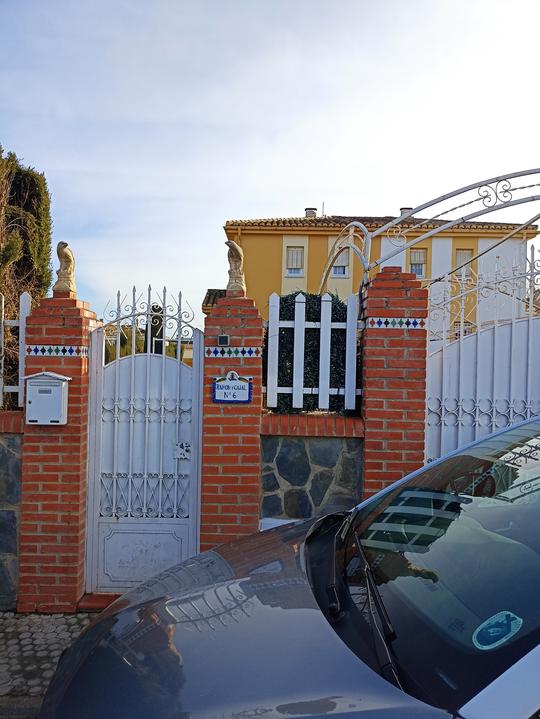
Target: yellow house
x,y
285,255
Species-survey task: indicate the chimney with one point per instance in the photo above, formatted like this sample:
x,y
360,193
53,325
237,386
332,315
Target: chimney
x,y
311,212
402,210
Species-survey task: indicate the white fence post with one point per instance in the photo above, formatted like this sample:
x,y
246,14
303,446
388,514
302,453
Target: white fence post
x,y
298,357
273,351
25,306
350,352
324,351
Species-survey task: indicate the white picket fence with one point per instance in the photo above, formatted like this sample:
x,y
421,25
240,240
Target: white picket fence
x,y
25,304
299,326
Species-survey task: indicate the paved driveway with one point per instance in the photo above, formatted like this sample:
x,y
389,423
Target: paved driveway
x,y
30,646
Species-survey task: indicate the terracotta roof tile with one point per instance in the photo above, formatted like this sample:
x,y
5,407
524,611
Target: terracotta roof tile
x,y
210,299
337,221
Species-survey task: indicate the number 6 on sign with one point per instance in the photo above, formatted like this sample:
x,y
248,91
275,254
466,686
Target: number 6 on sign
x,y
232,388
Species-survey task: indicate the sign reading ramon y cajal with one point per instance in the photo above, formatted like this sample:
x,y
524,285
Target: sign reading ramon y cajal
x,y
232,388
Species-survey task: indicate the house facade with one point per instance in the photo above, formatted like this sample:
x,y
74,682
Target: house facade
x,y
285,255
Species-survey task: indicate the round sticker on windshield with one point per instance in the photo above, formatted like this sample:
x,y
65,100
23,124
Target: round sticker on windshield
x,y
496,630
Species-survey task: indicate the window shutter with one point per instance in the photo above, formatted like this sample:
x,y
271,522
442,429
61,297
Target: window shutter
x,y
342,259
295,258
418,257
463,256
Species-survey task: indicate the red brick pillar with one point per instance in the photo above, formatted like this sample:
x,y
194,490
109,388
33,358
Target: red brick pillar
x,y
231,432
393,377
53,507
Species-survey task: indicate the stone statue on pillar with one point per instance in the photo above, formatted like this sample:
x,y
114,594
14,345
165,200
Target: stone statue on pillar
x,y
235,256
66,273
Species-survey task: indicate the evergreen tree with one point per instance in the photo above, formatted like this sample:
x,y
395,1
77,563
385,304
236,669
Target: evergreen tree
x,y
25,250
25,232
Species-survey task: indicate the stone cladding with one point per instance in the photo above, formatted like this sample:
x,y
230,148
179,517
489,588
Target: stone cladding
x,y
10,501
308,476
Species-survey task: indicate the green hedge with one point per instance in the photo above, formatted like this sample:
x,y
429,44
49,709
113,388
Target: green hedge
x,y
311,356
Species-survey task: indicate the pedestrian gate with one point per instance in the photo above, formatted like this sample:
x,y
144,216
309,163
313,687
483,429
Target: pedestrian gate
x,y
144,459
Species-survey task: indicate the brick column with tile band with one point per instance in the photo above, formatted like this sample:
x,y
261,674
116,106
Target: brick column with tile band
x,y
394,360
231,432
54,461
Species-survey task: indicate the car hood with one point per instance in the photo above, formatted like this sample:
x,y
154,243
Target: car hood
x,y
233,632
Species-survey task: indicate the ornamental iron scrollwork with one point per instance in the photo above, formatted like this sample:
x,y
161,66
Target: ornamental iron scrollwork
x,y
148,323
441,214
140,496
397,237
152,409
482,412
462,305
500,192
453,209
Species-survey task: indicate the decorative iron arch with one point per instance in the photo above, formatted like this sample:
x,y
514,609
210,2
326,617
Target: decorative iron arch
x,y
477,199
149,322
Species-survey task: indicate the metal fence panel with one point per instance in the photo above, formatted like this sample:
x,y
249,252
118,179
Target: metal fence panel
x,y
484,337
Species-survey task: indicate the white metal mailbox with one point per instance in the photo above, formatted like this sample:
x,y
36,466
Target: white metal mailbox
x,y
46,398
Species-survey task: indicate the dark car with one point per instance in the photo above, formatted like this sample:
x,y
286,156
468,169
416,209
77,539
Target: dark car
x,y
422,602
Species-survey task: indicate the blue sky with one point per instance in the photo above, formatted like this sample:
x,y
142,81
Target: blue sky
x,y
155,122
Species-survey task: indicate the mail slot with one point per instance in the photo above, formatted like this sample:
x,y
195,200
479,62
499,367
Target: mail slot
x,y
46,398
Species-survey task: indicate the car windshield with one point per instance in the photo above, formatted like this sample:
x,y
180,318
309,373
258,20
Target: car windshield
x,y
455,555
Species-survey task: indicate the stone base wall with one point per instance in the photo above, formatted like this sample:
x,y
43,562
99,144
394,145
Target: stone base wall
x,y
10,500
305,477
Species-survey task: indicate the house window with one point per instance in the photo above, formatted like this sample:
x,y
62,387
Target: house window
x,y
341,265
463,256
295,262
419,262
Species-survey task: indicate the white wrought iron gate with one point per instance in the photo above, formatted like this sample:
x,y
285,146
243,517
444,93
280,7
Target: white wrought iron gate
x,y
144,444
483,355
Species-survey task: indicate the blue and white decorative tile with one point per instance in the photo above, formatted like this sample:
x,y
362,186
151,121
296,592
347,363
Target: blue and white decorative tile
x,y
233,352
396,323
56,351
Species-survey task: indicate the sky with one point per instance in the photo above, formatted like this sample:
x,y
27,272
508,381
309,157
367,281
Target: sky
x,y
155,122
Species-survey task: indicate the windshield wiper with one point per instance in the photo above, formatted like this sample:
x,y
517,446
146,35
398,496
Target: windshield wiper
x,y
382,635
377,611
325,524
334,602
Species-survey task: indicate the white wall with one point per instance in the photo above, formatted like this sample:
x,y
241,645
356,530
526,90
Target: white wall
x,y
388,245
441,256
441,263
495,303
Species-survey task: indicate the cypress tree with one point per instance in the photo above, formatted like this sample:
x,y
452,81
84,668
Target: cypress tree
x,y
25,248
25,232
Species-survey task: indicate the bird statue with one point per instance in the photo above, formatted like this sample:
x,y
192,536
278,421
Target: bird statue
x,y
66,272
235,255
